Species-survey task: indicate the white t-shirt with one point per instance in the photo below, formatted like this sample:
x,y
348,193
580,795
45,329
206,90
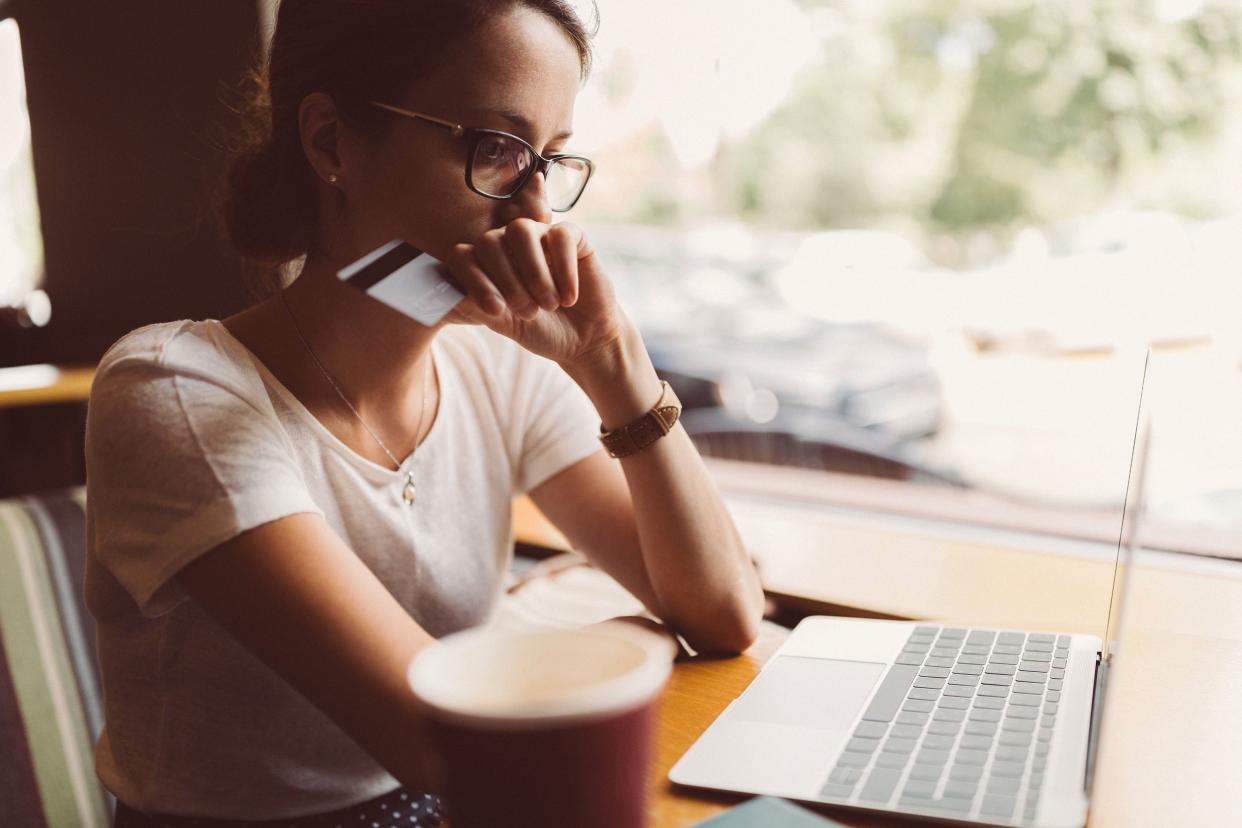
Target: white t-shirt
x,y
191,441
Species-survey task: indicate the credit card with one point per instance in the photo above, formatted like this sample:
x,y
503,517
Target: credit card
x,y
406,279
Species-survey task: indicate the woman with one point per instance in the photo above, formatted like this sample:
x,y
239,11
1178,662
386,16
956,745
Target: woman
x,y
287,505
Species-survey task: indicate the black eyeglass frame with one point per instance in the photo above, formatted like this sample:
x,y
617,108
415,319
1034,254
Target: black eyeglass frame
x,y
472,136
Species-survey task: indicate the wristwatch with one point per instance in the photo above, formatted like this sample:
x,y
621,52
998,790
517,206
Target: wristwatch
x,y
636,436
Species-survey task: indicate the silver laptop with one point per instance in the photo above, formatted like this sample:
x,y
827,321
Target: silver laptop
x,y
953,724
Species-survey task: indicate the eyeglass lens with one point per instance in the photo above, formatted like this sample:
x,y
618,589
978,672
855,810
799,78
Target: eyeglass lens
x,y
501,164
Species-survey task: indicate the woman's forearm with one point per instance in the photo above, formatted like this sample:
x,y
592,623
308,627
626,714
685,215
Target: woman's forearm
x,y
700,572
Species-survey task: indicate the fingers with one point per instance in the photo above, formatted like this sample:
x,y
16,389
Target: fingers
x,y
492,253
560,250
473,281
524,266
523,240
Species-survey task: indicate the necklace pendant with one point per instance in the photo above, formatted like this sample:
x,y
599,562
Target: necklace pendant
x,y
408,491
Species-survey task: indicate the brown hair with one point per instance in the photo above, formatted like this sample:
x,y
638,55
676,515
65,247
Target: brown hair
x,y
355,51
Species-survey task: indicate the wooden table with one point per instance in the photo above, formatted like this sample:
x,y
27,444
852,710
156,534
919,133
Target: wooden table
x,y
44,385
1171,752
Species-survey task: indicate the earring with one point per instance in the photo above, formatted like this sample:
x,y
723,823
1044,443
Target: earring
x,y
332,178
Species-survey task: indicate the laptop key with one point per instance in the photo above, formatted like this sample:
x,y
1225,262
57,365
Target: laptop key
x,y
959,789
968,658
1024,699
1011,753
1055,683
919,788
960,691
931,683
1033,667
948,714
1007,649
1011,770
993,690
944,652
976,649
912,659
989,702
965,679
1000,669
973,742
854,760
1047,721
845,776
955,702
906,717
965,773
934,672
928,756
892,692
870,730
1011,638
944,728
1063,641
1000,681
982,714
928,773
880,785
1002,658
997,805
969,669
1030,675
1042,637
836,791
933,661
1030,656
936,742
918,705
981,728
860,745
1029,687
1013,737
953,632
972,757
1003,786
926,630
1059,663
1056,673
924,693
1050,709
981,637
1019,725
905,731
1038,647
895,761
898,745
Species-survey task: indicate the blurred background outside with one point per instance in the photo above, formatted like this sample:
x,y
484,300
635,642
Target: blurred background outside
x,y
938,234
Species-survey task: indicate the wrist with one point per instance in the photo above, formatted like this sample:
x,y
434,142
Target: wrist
x,y
618,378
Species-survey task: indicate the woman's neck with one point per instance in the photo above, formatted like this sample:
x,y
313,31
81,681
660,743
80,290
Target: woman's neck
x,y
373,353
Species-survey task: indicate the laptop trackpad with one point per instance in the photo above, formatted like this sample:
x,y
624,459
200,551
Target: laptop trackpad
x,y
808,692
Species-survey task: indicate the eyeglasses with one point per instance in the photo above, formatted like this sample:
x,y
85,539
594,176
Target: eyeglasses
x,y
498,164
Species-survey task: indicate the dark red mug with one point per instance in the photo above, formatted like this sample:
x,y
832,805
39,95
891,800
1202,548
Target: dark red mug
x,y
546,728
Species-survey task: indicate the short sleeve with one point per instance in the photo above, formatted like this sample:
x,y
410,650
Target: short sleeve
x,y
559,424
179,461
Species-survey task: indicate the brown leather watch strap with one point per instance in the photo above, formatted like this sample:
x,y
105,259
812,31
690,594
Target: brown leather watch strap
x,y
644,431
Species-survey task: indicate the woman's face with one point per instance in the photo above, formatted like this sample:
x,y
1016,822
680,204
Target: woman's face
x,y
519,73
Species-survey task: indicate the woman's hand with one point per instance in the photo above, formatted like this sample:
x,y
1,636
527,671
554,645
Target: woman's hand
x,y
542,286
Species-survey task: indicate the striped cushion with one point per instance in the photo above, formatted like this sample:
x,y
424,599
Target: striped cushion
x,y
50,697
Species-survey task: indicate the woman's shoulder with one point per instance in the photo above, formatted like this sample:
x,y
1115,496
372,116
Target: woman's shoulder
x,y
192,349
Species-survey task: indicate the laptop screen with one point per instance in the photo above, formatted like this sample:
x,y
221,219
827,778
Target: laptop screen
x,y
1127,541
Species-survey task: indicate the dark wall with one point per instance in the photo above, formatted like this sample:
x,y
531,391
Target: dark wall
x,y
126,101
126,104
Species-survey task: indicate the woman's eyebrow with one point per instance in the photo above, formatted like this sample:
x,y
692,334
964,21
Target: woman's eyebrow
x,y
519,120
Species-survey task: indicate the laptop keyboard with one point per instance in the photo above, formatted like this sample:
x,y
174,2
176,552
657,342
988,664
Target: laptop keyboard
x,y
960,726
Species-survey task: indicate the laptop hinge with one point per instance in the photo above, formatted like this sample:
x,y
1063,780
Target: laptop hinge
x,y
1097,713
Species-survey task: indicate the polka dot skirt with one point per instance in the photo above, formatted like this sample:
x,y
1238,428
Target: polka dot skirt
x,y
399,809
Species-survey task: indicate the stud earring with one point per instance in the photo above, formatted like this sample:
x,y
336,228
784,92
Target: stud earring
x,y
332,178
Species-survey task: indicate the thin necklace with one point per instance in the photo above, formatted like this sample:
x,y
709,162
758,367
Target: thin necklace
x,y
408,491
